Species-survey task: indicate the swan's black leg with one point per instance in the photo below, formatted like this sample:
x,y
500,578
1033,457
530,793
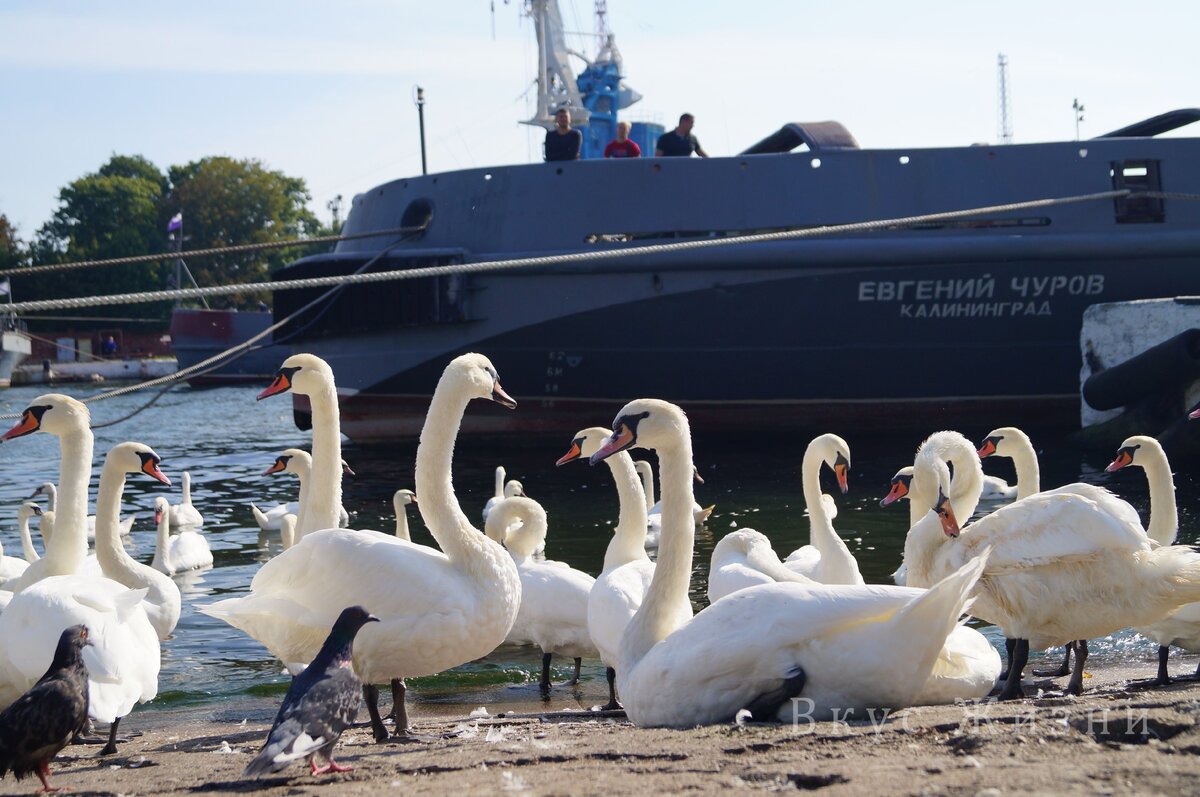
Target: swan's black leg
x,y
764,707
578,666
1062,669
111,747
1012,685
371,696
1008,654
545,682
1075,685
399,707
613,704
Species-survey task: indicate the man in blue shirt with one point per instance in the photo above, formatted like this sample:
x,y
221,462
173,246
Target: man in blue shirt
x,y
563,142
679,143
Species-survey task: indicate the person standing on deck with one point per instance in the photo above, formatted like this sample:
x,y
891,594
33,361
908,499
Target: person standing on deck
x,y
563,142
621,146
680,143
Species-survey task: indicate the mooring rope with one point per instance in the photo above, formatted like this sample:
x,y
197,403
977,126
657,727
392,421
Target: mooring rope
x,y
546,260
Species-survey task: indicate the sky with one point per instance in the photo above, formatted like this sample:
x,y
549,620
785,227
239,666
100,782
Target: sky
x,y
324,91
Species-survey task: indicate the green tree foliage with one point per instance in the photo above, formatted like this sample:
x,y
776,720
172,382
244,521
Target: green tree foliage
x,y
12,254
112,213
225,202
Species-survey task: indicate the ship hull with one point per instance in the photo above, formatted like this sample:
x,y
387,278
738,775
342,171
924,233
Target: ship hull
x,y
197,335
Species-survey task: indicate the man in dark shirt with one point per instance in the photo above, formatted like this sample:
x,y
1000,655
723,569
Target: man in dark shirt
x,y
622,146
563,142
680,143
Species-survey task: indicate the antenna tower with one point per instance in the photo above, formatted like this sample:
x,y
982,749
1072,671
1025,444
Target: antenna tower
x,y
1004,121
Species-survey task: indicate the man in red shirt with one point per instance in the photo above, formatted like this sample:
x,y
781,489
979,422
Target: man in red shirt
x,y
621,146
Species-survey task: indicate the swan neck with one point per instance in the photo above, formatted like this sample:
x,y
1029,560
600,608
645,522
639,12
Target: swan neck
x,y
667,596
1164,515
1029,472
647,473
401,521
27,550
629,538
51,497
110,553
325,490
820,529
67,547
434,478
498,493
187,487
162,540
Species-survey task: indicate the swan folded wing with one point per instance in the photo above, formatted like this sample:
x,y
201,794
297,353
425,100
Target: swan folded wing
x,y
1045,529
1106,500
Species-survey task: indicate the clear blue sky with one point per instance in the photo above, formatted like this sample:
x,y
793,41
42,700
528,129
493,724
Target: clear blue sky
x,y
323,91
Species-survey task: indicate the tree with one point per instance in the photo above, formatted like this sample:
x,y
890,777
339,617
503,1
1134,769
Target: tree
x,y
225,202
112,213
11,252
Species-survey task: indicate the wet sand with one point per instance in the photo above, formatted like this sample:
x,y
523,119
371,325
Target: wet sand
x,y
1113,740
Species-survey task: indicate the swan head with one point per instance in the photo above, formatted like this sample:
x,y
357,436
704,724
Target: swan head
x,y
27,510
305,374
1127,454
901,486
585,443
136,457
513,488
53,413
475,376
644,423
930,462
47,488
292,460
1003,442
404,497
835,453
346,469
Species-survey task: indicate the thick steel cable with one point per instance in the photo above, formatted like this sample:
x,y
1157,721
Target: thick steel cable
x,y
191,253
546,260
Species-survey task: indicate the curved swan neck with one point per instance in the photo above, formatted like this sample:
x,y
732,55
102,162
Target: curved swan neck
x,y
1164,515
67,547
820,529
1029,472
629,538
966,483
434,479
51,496
110,553
325,491
667,595
647,473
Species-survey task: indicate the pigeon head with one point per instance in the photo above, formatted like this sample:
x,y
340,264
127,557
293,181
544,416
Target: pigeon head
x,y
350,621
70,645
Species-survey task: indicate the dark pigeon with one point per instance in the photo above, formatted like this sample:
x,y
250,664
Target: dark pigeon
x,y
321,703
45,719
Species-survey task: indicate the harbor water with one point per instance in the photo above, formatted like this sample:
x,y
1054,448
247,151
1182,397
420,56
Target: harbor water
x,y
225,439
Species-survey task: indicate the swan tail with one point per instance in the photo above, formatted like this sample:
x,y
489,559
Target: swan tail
x,y
704,514
1176,573
944,603
260,518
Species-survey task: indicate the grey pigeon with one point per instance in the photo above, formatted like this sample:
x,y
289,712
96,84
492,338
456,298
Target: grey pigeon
x,y
45,719
321,703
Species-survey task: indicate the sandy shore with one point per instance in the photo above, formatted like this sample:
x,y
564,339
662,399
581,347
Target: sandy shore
x,y
1113,740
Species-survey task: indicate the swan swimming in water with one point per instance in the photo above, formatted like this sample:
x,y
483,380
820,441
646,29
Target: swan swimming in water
x,y
187,550
844,648
826,559
554,596
439,609
297,462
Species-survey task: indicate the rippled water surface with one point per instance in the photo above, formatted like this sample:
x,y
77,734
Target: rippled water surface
x,y
225,439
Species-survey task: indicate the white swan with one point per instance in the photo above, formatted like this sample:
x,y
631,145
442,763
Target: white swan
x,y
439,609
27,510
185,512
163,602
1062,568
503,490
401,499
124,659
12,566
47,525
298,463
627,570
554,596
1182,627
826,559
745,558
287,531
845,648
187,550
